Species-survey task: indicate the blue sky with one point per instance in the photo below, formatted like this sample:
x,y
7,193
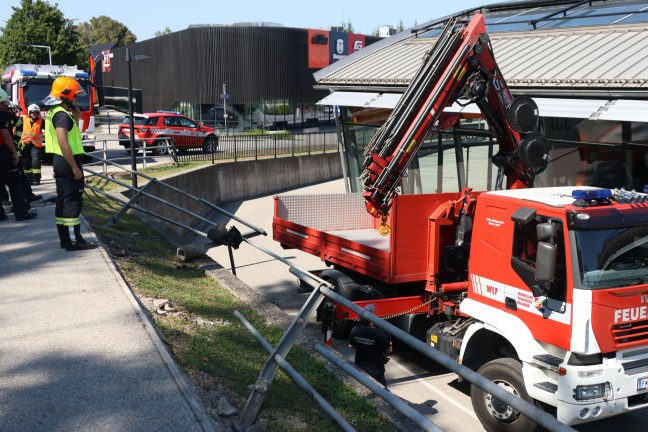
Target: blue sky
x,y
145,17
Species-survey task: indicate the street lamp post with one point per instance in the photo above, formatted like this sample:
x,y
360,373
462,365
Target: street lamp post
x,y
130,114
49,51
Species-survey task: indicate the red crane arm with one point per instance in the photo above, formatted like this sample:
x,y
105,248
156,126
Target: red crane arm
x,y
460,66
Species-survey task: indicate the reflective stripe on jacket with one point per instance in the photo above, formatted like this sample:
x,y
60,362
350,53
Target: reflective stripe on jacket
x,y
31,132
51,140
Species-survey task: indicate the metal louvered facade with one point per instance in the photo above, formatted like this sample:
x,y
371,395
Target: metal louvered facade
x,y
256,63
608,61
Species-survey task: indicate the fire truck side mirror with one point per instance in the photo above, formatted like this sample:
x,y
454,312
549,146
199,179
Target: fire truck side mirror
x,y
523,215
546,232
545,262
546,253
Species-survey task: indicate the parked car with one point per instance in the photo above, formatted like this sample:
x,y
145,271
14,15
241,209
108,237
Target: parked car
x,y
151,128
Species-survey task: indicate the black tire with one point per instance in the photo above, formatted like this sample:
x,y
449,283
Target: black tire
x,y
343,285
210,145
161,151
494,415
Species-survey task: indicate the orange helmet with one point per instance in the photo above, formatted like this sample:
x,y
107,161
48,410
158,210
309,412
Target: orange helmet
x,y
65,88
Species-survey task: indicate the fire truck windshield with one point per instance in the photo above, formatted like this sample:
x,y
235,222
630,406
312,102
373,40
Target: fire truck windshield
x,y
612,258
35,90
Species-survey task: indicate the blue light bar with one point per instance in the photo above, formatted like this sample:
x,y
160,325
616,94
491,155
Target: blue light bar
x,y
594,194
82,75
28,73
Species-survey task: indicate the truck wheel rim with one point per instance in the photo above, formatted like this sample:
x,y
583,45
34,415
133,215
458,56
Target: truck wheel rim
x,y
500,410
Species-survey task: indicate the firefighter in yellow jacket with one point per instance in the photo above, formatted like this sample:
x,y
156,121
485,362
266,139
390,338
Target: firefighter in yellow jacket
x,y
63,139
32,144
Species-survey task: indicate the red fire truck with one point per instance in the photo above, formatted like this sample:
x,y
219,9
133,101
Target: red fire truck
x,y
29,84
542,290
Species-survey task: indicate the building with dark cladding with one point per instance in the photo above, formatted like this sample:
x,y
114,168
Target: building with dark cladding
x,y
266,70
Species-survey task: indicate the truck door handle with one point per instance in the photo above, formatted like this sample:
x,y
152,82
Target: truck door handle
x,y
510,303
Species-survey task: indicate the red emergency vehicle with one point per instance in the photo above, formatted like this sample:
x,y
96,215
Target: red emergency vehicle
x,y
29,84
541,290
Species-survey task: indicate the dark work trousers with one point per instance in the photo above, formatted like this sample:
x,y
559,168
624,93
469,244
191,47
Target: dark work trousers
x,y
69,196
31,162
10,176
376,372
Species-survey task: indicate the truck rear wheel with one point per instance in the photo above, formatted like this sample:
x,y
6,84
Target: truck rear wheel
x,y
495,415
343,285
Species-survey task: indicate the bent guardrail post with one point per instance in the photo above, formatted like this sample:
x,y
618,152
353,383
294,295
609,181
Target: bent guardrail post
x,y
135,198
296,377
175,189
538,415
148,212
376,388
270,367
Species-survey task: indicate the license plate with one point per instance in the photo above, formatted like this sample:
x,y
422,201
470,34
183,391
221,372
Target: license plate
x,y
642,383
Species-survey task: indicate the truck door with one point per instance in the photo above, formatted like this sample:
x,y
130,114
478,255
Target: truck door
x,y
548,315
502,272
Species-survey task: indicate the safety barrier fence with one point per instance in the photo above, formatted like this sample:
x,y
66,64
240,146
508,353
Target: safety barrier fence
x,y
220,235
263,146
234,147
100,157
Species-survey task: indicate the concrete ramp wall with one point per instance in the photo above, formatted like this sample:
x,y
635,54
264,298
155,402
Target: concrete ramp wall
x,y
237,181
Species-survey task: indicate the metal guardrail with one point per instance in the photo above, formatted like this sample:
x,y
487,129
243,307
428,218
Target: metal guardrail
x,y
220,235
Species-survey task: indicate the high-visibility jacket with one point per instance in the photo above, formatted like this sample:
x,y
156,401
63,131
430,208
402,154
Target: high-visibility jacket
x,y
32,131
51,140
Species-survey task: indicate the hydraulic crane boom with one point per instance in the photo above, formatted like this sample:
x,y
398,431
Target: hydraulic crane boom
x,y
460,66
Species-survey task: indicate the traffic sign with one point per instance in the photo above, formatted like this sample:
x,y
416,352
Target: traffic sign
x,y
225,96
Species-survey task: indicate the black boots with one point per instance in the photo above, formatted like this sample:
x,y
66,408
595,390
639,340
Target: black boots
x,y
66,242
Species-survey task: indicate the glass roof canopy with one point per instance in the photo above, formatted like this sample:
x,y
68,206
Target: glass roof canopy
x,y
531,15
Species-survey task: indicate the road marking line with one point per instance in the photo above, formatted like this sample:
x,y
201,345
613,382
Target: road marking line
x,y
454,402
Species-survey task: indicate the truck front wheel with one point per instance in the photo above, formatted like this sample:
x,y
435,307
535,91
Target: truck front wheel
x,y
495,415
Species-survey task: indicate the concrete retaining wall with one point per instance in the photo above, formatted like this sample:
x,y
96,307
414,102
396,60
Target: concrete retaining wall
x,y
236,181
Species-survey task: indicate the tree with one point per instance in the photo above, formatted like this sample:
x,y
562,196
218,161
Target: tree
x,y
103,29
36,22
347,26
159,33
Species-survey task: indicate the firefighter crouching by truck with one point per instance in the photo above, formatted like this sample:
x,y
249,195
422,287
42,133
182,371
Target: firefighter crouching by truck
x,y
32,143
63,139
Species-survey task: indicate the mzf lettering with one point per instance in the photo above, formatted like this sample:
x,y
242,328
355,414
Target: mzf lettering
x,y
630,314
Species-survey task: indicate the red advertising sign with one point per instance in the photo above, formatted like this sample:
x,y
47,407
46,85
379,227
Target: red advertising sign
x,y
356,42
107,55
318,48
